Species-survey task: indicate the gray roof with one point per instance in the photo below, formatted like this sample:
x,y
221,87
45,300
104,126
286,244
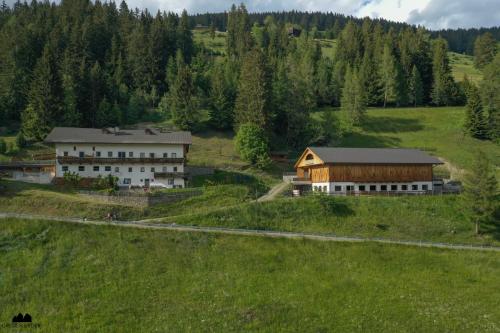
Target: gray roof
x,y
374,155
111,135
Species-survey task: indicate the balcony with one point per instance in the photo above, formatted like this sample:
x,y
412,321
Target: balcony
x,y
113,160
292,178
171,174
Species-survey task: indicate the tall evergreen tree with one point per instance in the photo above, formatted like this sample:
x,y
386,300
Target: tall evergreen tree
x,y
485,49
480,192
416,87
353,97
253,99
475,122
183,101
221,106
442,90
44,99
490,87
389,76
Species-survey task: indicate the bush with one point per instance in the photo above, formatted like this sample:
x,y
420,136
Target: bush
x,y
72,178
251,144
3,146
20,140
106,183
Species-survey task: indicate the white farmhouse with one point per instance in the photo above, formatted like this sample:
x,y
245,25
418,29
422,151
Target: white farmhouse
x,y
137,157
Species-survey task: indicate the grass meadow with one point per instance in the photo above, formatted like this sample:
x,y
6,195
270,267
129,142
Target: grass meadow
x,y
108,279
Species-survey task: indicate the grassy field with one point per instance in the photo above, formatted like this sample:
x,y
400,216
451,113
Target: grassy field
x,y
217,44
462,64
435,130
419,218
107,279
18,197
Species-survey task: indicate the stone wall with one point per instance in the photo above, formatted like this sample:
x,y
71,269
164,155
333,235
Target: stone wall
x,y
141,200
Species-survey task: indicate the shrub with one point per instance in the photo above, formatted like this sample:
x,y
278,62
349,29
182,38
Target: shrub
x,y
106,183
251,144
20,140
72,178
3,146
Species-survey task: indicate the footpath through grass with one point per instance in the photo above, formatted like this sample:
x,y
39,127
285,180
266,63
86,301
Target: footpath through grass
x,y
416,218
108,279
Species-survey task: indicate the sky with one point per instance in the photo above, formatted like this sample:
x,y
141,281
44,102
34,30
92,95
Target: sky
x,y
433,14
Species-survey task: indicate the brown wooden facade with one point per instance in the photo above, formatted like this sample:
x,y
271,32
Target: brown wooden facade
x,y
310,166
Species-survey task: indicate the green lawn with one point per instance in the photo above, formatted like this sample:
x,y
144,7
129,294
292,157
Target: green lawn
x,y
217,44
107,279
416,218
18,197
462,64
435,130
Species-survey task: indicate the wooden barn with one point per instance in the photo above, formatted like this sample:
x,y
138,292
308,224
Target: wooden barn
x,y
365,170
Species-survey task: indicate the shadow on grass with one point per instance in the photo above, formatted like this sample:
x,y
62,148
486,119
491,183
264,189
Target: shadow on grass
x,y
391,124
220,177
334,206
360,140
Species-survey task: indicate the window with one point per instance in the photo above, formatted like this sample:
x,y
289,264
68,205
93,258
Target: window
x,y
175,169
315,188
152,169
373,187
414,187
151,155
349,188
121,154
165,155
96,168
110,154
394,187
127,181
117,169
338,188
74,148
404,187
142,169
164,169
130,154
93,148
81,154
324,188
107,168
362,188
64,168
425,187
65,153
81,168
98,154
309,157
143,155
129,169
174,155
171,181
383,187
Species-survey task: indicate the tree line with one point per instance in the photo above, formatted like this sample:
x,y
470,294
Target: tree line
x,y
330,24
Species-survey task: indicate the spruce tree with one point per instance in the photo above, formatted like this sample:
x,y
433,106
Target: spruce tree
x,y
389,76
443,86
353,97
416,87
485,49
480,192
183,101
253,99
490,88
475,122
44,100
221,108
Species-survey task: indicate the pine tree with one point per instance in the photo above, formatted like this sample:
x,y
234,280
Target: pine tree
x,y
475,122
44,100
253,99
221,108
490,87
480,192
353,97
416,87
183,102
185,37
485,49
442,90
389,76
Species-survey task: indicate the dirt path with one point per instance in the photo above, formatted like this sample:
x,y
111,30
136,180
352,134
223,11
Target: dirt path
x,y
274,192
455,172
260,233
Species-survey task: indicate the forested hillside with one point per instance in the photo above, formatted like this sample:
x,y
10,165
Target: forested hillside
x,y
94,64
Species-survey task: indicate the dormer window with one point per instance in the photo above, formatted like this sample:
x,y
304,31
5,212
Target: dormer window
x,y
309,157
